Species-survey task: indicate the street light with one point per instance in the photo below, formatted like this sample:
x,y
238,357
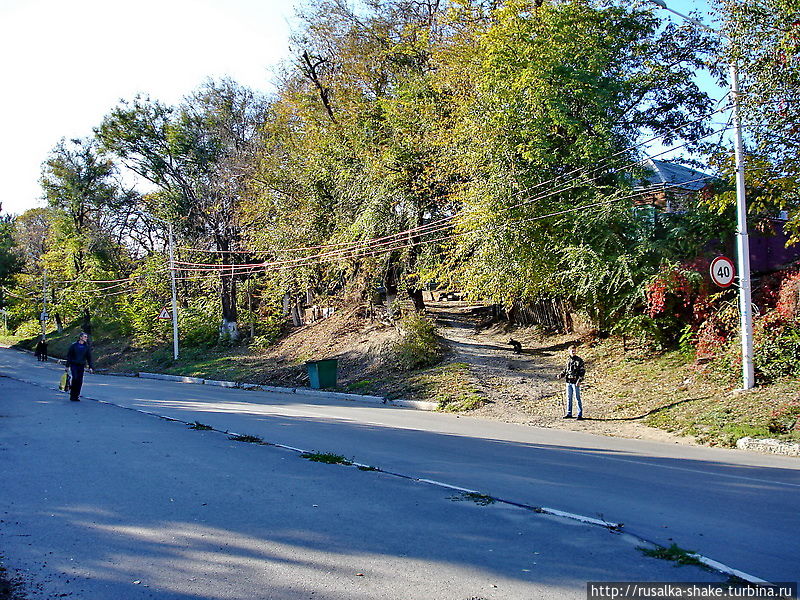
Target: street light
x,y
742,238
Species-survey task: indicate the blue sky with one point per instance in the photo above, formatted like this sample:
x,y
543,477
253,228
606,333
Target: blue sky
x,y
73,61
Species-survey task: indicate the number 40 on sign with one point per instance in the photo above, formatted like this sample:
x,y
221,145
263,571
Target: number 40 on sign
x,y
722,271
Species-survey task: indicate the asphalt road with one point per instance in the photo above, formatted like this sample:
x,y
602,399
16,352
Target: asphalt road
x,y
735,507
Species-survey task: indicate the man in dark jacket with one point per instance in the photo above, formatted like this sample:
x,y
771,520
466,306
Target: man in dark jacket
x,y
78,356
574,373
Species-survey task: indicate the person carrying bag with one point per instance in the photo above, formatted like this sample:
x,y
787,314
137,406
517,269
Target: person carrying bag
x,y
78,356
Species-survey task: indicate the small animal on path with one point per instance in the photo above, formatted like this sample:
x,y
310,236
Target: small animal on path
x,y
517,346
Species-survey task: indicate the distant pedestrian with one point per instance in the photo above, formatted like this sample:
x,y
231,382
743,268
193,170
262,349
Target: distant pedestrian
x,y
573,372
41,349
78,356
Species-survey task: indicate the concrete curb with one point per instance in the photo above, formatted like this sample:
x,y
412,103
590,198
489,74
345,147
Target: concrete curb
x,y
178,378
768,446
415,404
225,384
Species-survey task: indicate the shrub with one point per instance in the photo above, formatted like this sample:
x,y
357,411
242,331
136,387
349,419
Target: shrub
x,y
419,345
676,296
29,329
788,304
776,350
198,324
785,418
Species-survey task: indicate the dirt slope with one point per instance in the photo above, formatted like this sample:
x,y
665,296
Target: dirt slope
x,y
523,388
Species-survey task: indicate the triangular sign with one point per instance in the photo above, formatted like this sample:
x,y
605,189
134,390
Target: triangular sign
x,y
164,314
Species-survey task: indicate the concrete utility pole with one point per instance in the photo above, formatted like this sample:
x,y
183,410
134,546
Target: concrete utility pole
x,y
175,349
174,296
742,238
43,316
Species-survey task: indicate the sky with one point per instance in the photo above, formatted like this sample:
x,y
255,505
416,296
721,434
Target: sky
x,y
65,65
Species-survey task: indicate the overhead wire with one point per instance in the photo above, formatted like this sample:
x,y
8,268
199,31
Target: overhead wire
x,y
377,243
426,227
392,242
280,266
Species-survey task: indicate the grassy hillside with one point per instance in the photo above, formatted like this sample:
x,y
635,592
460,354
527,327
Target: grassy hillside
x,y
669,392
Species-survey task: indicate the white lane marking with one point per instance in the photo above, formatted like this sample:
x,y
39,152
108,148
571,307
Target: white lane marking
x,y
722,568
447,485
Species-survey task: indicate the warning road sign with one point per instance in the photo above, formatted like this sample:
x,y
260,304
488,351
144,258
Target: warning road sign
x,y
164,315
722,271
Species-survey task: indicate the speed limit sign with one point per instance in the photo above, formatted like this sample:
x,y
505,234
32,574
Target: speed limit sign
x,y
722,271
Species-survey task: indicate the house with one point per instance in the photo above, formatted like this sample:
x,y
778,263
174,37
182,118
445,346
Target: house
x,y
673,187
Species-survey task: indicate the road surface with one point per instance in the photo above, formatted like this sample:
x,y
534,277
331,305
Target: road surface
x,y
734,507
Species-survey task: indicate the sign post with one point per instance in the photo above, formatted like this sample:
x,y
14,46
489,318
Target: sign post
x,y
722,271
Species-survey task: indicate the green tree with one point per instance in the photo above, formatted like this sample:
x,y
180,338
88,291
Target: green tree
x,y
86,201
198,155
348,155
765,44
11,262
557,94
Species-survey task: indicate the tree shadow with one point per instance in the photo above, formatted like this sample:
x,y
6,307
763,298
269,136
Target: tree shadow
x,y
650,412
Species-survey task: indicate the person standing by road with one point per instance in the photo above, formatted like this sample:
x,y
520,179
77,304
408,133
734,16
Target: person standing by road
x,y
41,349
78,356
573,372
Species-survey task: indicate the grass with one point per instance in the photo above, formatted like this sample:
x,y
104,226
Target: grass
x,y
198,426
328,458
450,385
363,385
670,392
250,439
479,499
674,554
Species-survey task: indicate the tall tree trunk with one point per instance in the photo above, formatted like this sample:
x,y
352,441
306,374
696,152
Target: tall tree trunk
x,y
86,326
59,322
412,282
415,293
229,328
230,314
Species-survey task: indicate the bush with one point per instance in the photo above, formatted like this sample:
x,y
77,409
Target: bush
x,y
785,418
777,350
419,345
198,324
29,329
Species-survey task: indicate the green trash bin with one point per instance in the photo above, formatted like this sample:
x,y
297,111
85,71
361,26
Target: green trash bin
x,y
322,373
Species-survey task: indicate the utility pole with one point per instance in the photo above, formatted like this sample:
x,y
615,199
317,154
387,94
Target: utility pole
x,y
742,238
43,316
175,350
174,296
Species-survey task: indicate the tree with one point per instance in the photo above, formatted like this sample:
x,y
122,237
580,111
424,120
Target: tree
x,y
765,44
86,202
198,154
10,260
557,95
347,156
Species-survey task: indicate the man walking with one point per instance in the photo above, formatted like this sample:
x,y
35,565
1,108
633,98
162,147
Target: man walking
x,y
78,356
574,373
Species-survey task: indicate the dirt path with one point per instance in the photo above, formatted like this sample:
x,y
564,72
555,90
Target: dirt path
x,y
522,388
